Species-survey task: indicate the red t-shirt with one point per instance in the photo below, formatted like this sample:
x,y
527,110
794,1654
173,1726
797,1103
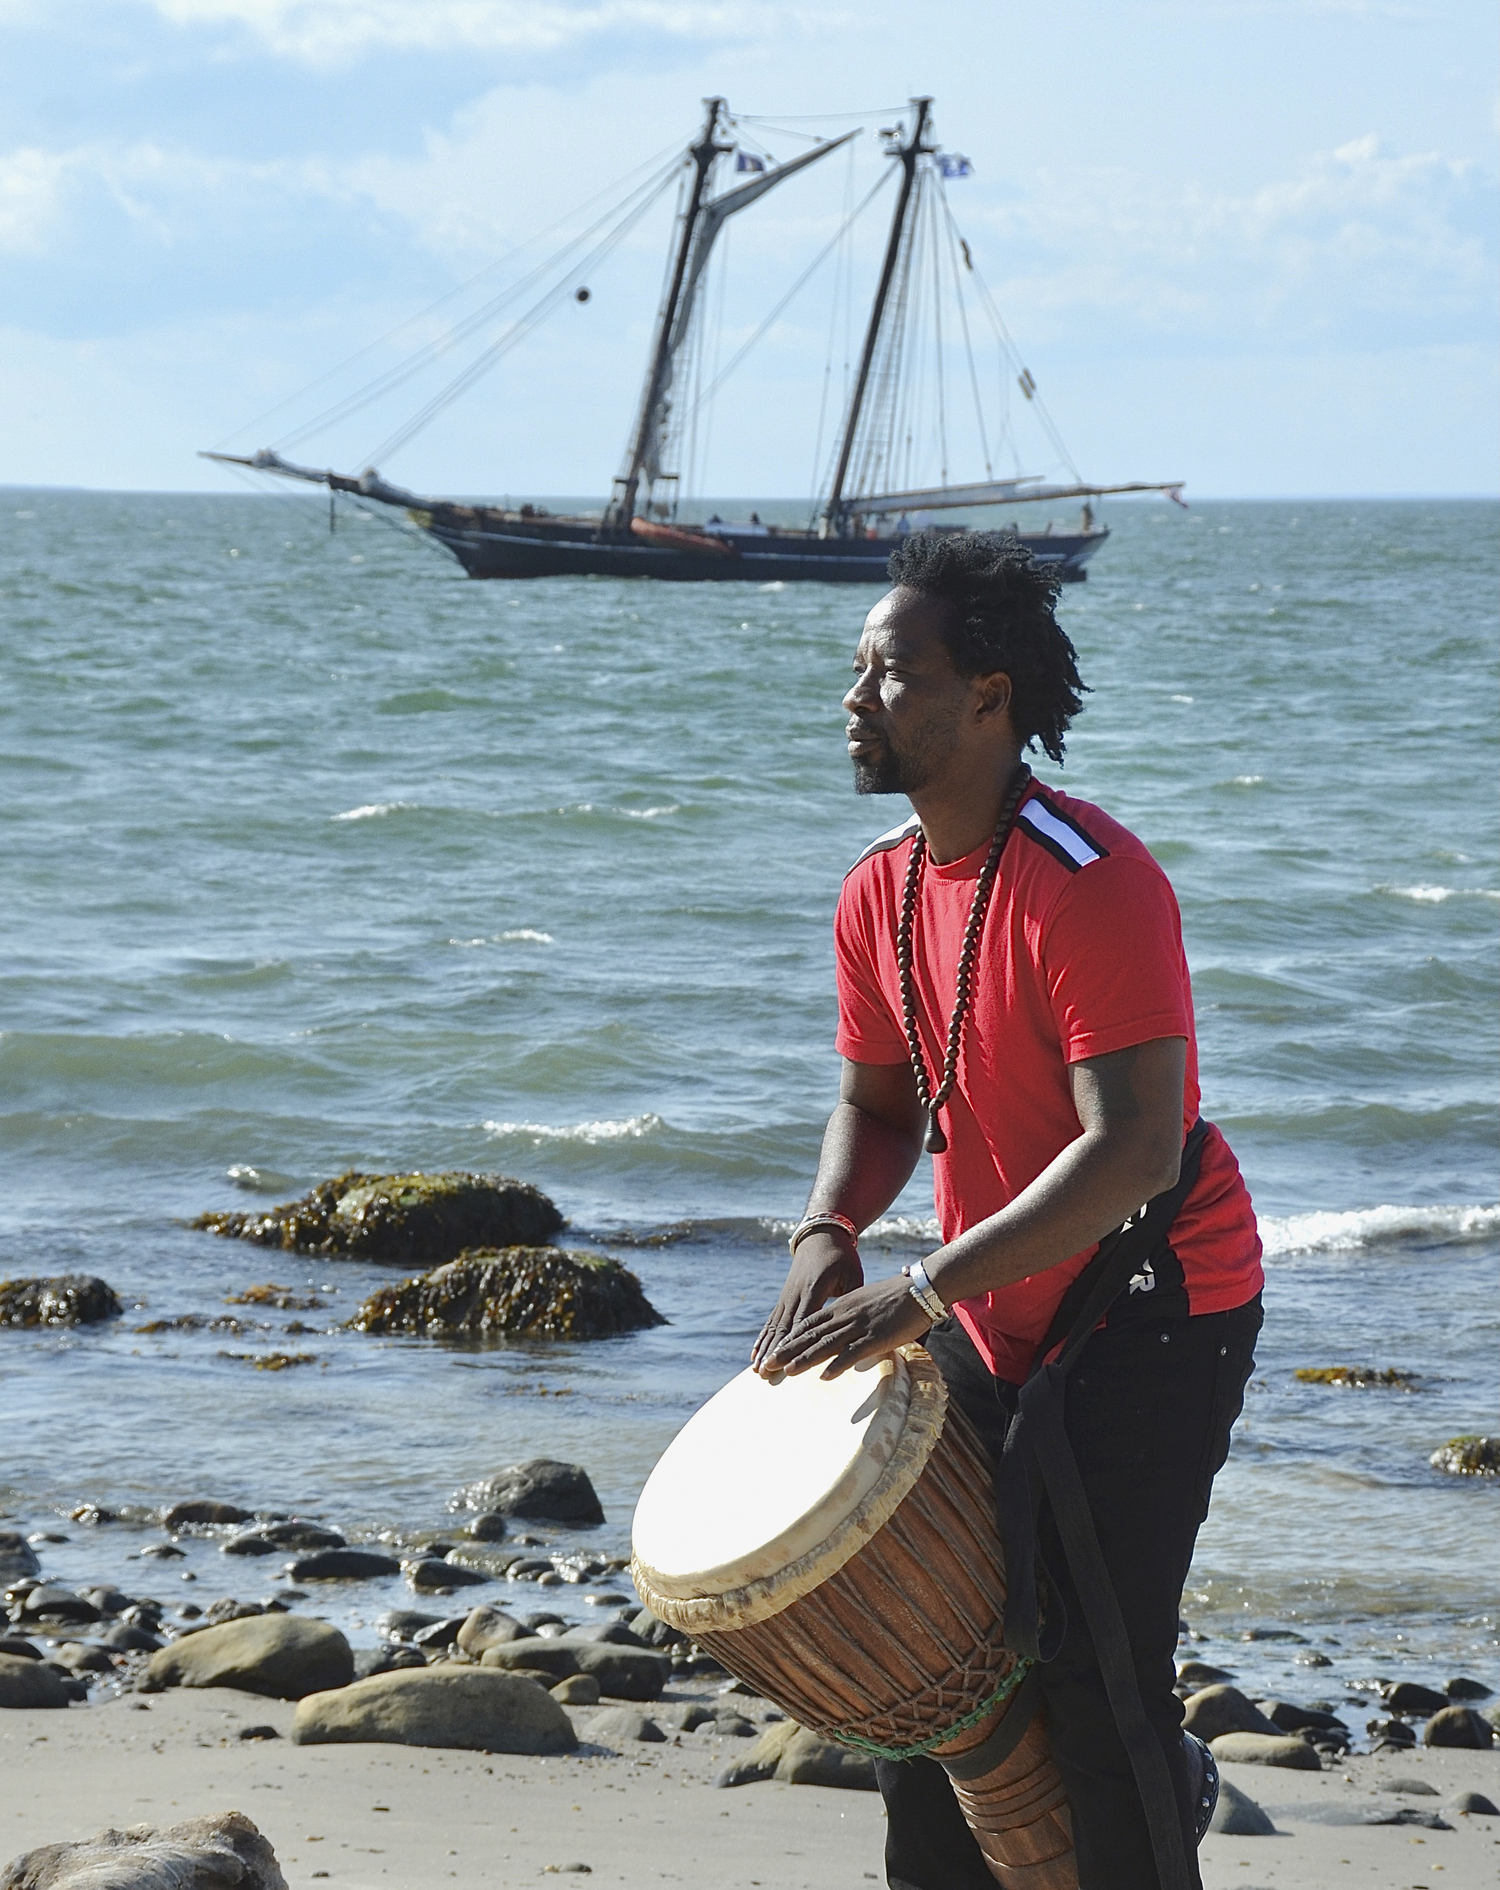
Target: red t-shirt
x,y
1081,954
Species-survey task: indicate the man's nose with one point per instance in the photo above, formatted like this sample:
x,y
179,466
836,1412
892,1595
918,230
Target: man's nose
x,y
863,695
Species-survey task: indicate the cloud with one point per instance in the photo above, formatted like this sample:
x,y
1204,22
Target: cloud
x,y
333,31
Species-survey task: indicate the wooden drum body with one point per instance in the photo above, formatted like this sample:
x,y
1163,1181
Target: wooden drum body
x,y
834,1544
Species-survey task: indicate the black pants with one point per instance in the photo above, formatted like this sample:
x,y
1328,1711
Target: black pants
x,y
1150,1405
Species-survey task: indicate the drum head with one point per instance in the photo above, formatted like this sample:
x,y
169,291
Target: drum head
x,y
764,1473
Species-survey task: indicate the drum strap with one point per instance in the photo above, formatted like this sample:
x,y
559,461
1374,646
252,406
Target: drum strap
x,y
982,1759
1038,1458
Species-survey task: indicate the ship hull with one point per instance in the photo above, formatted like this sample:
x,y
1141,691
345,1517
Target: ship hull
x,y
500,548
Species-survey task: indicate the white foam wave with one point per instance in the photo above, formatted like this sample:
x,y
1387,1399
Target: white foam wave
x,y
632,1129
1248,780
372,810
1361,1228
526,935
1436,895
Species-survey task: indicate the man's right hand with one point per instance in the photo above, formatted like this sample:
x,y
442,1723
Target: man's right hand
x,y
824,1265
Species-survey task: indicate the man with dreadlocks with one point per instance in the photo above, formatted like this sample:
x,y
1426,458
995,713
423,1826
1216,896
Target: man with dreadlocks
x,y
1013,994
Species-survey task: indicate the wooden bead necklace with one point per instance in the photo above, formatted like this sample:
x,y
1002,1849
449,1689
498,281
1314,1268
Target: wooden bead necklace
x,y
935,1142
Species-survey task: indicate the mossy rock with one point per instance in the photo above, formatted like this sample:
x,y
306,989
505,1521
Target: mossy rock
x,y
412,1220
66,1299
515,1293
1359,1377
1468,1457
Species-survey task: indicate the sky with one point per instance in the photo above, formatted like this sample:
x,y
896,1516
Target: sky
x,y
1250,244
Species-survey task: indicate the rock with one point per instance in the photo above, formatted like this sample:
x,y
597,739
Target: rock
x,y
579,1689
1312,1659
1392,1734
1472,1805
17,1558
48,1602
790,1753
25,1682
1289,1718
618,1724
760,1760
404,1624
440,1634
1198,1674
434,1576
1407,1697
1462,1689
414,1220
292,1533
231,1610
220,1853
605,1634
1274,1634
734,1725
79,1657
516,1292
687,1715
1250,1748
1238,1815
488,1627
1223,1709
282,1655
1468,1457
21,1650
555,1657
106,1599
66,1299
471,1709
164,1551
388,1659
624,1673
342,1565
1459,1726
542,1489
181,1515
490,1527
1416,1787
1361,1377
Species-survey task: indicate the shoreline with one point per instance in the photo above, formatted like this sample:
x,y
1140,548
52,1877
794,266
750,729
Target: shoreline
x,y
385,1817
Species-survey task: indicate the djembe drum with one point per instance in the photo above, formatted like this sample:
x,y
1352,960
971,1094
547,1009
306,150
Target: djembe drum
x,y
833,1543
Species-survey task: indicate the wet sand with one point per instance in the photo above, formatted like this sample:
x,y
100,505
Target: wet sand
x,y
403,1818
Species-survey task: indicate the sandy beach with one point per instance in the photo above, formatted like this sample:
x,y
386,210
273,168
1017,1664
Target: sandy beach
x,y
389,1816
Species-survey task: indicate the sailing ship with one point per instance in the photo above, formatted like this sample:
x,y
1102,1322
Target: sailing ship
x,y
861,515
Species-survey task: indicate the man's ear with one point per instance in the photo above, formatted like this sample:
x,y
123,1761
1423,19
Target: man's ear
x,y
994,693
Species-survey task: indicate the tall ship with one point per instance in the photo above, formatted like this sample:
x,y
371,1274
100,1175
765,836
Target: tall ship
x,y
868,501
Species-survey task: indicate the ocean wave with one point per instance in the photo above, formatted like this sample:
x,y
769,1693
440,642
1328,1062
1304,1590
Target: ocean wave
x,y
1360,1228
1436,895
631,1129
525,934
372,810
889,1230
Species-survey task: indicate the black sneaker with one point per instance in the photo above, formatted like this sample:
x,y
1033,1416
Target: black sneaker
x,y
1204,1768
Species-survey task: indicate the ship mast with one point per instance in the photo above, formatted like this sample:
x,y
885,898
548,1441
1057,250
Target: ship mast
x,y
908,154
703,153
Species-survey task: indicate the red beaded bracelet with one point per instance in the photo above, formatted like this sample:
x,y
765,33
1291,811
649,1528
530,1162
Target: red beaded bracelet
x,y
823,1220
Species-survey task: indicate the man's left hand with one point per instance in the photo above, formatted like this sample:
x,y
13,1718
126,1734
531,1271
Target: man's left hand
x,y
871,1322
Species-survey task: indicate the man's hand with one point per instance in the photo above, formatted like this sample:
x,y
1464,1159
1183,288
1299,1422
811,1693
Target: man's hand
x,y
824,1264
870,1322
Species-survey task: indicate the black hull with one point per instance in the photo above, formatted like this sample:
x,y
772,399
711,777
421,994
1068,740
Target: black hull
x,y
499,548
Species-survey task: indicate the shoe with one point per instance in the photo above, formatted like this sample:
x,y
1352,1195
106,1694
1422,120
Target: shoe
x,y
1204,1768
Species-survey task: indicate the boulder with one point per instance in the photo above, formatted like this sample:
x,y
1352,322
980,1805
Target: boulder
x,y
531,1652
21,1649
489,1527
47,1602
292,1533
1238,1815
440,1634
26,1682
606,1634
125,1639
282,1655
686,1715
342,1565
1249,1748
1289,1718
17,1558
181,1515
220,1853
412,1220
655,1632
623,1673
488,1627
1410,1698
404,1624
432,1575
1468,1457
1219,1709
618,1724
579,1689
471,1709
387,1659
66,1299
734,1725
1459,1726
542,1489
516,1292
1462,1688
793,1755
1198,1674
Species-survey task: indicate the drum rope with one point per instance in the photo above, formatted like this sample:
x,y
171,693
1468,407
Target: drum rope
x,y
935,1142
1007,1687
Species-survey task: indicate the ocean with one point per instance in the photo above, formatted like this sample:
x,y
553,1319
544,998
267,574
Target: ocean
x,y
320,855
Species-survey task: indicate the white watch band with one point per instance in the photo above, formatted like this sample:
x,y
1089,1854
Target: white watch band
x,y
924,1292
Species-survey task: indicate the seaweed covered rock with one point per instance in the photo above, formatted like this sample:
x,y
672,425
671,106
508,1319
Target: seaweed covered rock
x,y
219,1851
412,1220
517,1292
542,1490
1468,1457
1357,1377
66,1299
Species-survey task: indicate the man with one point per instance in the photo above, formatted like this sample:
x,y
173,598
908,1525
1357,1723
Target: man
x,y
1056,1102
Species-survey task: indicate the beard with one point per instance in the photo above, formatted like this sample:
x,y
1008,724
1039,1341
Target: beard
x,y
887,770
